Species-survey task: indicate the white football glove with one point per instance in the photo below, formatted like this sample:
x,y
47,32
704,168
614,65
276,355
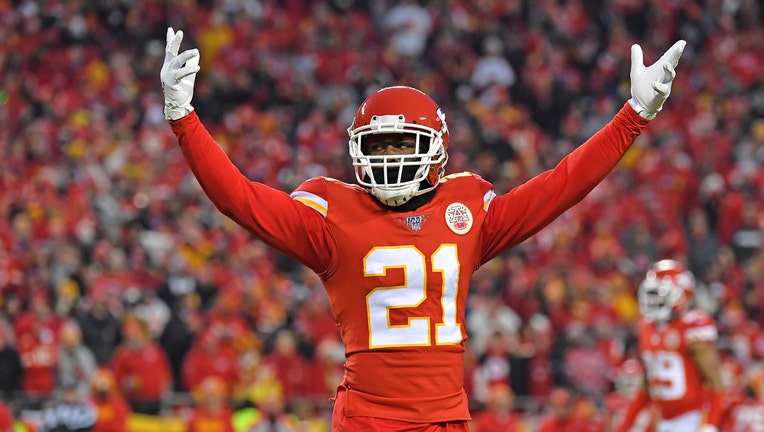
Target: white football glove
x,y
178,75
651,86
708,428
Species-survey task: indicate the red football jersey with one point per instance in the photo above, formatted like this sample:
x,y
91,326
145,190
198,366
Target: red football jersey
x,y
398,281
674,382
744,415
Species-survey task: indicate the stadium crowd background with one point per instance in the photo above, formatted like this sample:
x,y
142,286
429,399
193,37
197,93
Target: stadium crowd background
x,y
108,245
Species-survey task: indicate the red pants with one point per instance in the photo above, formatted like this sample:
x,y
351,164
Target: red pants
x,y
340,423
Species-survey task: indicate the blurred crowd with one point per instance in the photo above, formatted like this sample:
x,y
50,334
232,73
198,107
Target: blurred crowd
x,y
118,279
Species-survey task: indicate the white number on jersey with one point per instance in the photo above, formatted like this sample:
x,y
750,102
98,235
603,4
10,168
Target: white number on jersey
x,y
665,375
416,332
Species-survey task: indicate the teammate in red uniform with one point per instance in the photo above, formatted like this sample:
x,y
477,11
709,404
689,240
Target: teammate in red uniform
x,y
678,349
746,411
628,380
397,251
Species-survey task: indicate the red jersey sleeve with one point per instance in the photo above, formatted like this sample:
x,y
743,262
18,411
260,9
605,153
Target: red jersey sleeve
x,y
523,211
271,215
699,326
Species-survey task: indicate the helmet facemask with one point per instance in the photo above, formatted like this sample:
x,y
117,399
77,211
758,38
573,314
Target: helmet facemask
x,y
666,291
656,301
396,178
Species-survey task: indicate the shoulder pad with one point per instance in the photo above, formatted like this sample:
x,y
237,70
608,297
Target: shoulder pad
x,y
696,317
313,193
458,175
699,327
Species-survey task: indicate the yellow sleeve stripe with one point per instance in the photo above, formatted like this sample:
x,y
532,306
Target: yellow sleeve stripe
x,y
488,199
311,200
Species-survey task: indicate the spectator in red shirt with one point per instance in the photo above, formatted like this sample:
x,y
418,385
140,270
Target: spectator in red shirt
x,y
226,318
209,356
291,367
112,408
586,417
499,414
212,413
37,343
559,416
141,367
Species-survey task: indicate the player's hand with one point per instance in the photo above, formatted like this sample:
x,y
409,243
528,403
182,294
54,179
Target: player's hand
x,y
708,428
178,75
651,85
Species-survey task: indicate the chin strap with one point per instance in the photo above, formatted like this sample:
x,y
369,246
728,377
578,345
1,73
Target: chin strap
x,y
414,203
395,198
390,201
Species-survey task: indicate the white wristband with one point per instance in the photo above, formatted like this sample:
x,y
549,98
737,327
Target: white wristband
x,y
176,113
641,110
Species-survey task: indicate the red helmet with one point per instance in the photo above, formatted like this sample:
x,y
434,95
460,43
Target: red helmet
x,y
666,291
395,179
629,377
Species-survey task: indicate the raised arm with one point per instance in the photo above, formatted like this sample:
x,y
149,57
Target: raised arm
x,y
271,215
523,211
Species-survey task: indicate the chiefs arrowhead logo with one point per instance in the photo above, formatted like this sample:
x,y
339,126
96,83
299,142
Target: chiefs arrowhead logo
x,y
459,218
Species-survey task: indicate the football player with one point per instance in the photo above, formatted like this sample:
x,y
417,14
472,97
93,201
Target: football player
x,y
627,381
677,345
396,252
746,411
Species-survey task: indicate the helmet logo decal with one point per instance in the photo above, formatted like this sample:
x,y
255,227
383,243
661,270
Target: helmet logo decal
x,y
459,218
414,222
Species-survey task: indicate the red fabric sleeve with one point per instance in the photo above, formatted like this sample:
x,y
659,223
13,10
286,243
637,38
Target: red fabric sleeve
x,y
636,405
716,409
523,211
271,215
